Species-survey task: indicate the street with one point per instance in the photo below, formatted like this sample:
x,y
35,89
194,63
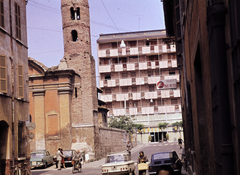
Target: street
x,y
95,167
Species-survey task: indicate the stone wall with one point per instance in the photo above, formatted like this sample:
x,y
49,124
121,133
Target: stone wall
x,y
113,140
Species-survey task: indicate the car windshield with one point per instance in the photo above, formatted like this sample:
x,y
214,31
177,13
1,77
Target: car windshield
x,y
38,154
67,153
117,158
162,156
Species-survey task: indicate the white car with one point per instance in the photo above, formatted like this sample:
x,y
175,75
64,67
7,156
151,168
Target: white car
x,y
117,164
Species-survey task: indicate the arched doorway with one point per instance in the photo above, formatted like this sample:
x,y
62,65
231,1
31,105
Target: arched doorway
x,y
3,145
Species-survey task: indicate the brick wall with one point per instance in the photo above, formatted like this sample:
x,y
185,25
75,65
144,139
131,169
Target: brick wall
x,y
112,140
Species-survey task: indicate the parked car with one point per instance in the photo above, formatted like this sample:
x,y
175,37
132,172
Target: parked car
x,y
165,158
68,156
41,158
117,164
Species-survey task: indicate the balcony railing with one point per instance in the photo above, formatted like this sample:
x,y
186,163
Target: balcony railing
x,y
136,50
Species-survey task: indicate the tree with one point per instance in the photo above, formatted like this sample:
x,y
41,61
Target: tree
x,y
180,125
162,126
139,127
122,122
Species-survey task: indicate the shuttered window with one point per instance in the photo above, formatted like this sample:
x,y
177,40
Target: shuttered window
x,y
1,14
18,21
3,74
20,82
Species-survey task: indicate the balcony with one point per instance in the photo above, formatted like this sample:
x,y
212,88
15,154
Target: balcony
x,y
147,110
118,67
130,66
122,97
143,66
153,80
136,50
136,96
105,68
134,81
126,82
150,95
106,98
176,93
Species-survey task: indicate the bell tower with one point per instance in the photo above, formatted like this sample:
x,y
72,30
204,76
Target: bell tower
x,y
78,56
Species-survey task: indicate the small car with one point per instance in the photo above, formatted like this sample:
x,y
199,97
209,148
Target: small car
x,y
40,158
117,164
165,158
68,155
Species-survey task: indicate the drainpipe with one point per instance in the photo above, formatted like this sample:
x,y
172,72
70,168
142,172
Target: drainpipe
x,y
12,72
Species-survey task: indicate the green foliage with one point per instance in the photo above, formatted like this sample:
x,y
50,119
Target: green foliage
x,y
178,124
149,138
167,136
162,125
139,127
122,122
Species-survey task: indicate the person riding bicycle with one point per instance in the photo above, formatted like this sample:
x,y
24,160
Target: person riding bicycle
x,y
77,158
129,147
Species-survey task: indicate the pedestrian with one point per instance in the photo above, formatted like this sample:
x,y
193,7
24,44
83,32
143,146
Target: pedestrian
x,y
180,142
129,147
165,170
62,160
59,158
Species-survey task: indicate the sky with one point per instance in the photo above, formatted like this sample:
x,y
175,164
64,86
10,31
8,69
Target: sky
x,y
44,24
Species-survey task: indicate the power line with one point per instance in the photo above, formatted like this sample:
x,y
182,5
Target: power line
x,y
45,52
44,29
109,15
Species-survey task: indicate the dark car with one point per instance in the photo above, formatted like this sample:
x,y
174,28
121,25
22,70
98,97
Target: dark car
x,y
68,155
165,158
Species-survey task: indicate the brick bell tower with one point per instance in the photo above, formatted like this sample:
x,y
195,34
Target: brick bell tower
x,y
77,56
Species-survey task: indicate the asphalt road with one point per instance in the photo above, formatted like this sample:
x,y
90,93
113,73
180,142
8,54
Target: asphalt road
x,y
94,168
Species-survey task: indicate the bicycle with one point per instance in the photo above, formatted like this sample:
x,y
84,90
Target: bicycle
x,y
21,169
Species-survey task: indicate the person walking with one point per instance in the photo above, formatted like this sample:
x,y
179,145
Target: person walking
x,y
180,142
62,161
59,158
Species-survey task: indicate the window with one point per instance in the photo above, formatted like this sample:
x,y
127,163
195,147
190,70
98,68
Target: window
x,y
18,21
174,101
74,35
132,43
172,73
1,14
151,88
20,81
75,14
124,75
134,89
125,90
3,74
78,13
72,13
108,91
107,77
133,74
150,73
160,102
109,105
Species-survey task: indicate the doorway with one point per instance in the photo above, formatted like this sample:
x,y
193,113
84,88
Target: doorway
x,y
158,136
3,145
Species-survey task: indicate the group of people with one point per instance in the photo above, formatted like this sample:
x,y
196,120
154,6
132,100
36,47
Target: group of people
x,y
60,159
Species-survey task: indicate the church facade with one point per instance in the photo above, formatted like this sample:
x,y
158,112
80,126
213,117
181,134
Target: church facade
x,y
63,99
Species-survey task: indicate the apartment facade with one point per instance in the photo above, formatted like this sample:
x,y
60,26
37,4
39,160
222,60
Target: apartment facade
x,y
128,78
14,110
207,36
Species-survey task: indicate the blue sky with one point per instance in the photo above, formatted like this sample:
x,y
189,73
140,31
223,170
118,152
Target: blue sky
x,y
44,22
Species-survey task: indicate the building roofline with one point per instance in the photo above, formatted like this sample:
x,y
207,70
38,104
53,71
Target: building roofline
x,y
148,34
